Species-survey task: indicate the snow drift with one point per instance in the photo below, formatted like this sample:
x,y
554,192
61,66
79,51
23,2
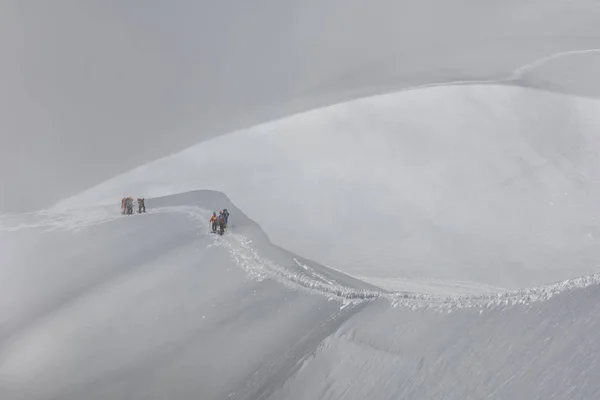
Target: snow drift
x,y
495,185
100,305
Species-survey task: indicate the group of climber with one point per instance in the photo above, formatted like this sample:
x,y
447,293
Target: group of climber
x,y
219,221
127,205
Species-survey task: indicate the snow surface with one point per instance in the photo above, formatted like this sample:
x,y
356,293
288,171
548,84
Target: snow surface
x,y
94,88
481,187
566,72
97,305
458,223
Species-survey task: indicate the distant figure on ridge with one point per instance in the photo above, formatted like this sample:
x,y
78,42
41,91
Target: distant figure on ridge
x,y
221,223
141,205
129,203
213,222
226,215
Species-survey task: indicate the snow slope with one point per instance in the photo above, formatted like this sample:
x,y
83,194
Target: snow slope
x,y
482,184
150,306
96,305
547,351
81,77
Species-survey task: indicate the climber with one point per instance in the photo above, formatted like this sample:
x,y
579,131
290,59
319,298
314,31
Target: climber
x,y
226,215
129,202
213,222
141,205
221,223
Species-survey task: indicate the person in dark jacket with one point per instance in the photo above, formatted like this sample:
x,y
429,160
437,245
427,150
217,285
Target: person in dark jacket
x,y
221,223
141,205
226,215
130,205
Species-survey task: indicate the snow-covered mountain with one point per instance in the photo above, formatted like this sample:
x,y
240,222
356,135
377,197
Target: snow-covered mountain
x,y
92,89
413,188
494,185
99,305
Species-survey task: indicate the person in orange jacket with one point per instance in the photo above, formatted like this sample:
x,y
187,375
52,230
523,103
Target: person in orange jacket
x,y
213,222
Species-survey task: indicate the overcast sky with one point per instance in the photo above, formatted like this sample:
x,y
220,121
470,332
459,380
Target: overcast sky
x,y
90,89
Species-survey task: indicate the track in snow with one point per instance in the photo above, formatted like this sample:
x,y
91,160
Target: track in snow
x,y
304,277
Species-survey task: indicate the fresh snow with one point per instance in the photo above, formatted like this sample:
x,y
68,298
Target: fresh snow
x,y
482,186
93,89
439,240
154,306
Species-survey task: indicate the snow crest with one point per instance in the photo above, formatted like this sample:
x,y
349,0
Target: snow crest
x,y
299,276
306,279
48,221
259,267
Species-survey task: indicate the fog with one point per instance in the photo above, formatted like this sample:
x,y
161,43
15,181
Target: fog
x,y
92,89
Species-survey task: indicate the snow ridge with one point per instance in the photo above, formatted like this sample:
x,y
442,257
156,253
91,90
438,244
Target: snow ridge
x,y
250,260
258,267
514,76
48,221
303,277
519,72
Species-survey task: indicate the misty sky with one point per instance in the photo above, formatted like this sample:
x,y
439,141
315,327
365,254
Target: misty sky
x,y
91,89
